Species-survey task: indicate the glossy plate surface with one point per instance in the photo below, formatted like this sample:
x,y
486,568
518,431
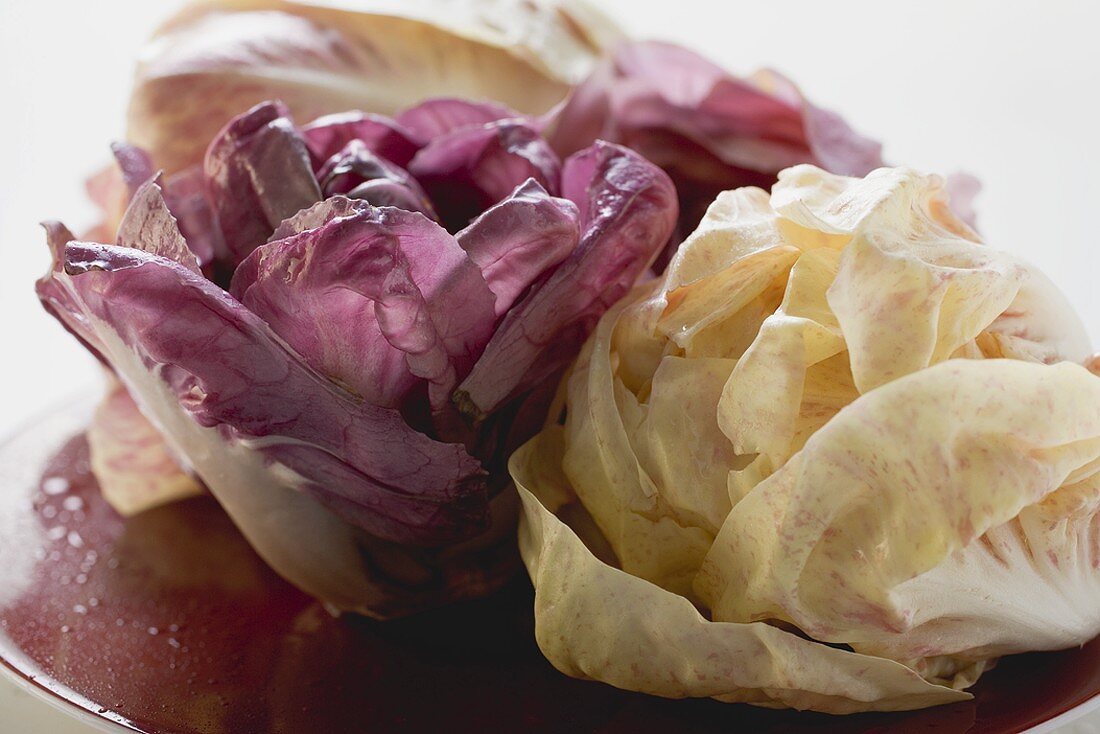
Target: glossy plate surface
x,y
168,622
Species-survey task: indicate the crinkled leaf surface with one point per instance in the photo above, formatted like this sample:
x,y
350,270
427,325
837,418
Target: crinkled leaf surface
x,y
627,211
839,414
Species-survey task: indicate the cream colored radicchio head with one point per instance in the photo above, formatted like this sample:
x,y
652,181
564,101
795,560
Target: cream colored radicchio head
x,y
842,456
218,57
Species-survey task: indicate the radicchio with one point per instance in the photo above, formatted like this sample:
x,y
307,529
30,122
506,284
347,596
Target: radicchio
x,y
341,369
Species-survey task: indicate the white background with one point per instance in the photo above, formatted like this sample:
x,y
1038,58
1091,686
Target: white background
x,y
1007,91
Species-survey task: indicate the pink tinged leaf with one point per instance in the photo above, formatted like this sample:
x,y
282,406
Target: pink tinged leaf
x,y
442,115
360,174
103,188
149,225
470,169
229,372
133,466
376,299
328,135
517,241
962,189
258,173
628,210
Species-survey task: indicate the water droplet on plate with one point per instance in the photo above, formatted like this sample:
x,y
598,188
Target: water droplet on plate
x,y
55,485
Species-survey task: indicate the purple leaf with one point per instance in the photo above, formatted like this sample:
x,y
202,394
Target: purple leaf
x,y
709,130
472,168
185,195
328,135
390,193
518,240
327,401
167,330
962,189
627,211
258,173
441,115
319,214
134,164
360,174
375,299
58,301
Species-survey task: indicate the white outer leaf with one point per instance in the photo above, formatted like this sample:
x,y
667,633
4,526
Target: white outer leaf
x,y
218,58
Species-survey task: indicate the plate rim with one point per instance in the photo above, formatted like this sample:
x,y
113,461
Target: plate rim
x,y
1069,716
103,725
46,696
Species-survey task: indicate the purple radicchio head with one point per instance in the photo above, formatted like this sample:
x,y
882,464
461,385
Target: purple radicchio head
x,y
342,329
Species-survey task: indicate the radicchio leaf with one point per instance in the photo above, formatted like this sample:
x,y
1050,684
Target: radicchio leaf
x,y
628,211
470,169
135,165
258,173
711,131
373,298
360,174
319,214
185,195
149,225
441,115
517,241
328,135
168,331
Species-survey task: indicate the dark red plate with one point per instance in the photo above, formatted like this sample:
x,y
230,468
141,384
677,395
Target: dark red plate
x,y
168,622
